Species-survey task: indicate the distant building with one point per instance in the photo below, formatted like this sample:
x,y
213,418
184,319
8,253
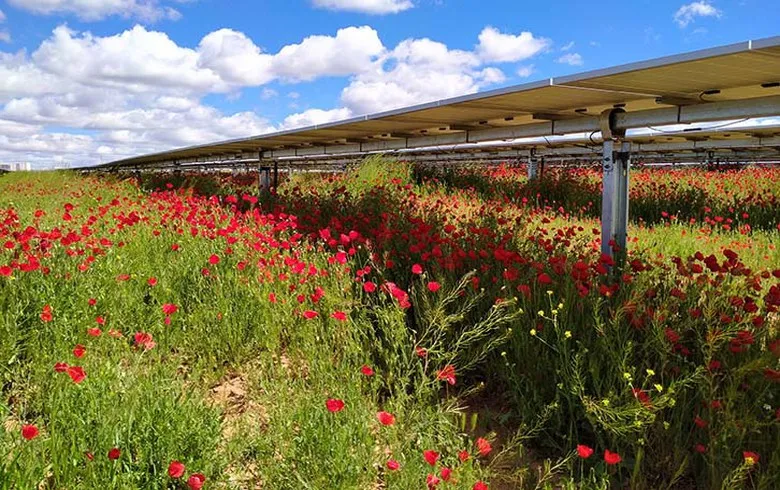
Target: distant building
x,y
16,167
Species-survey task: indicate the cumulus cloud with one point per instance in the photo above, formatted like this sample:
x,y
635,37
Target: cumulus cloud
x,y
315,116
525,71
572,59
495,46
376,7
139,91
92,10
688,12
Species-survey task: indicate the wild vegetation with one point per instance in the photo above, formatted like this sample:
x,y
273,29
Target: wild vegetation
x,y
389,327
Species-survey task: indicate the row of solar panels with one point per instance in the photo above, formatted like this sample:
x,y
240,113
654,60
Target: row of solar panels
x,y
730,82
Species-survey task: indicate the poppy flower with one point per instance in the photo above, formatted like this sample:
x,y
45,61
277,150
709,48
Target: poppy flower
x,y
89,456
421,351
433,286
611,458
366,370
144,340
60,367
432,480
447,374
196,481
584,451
152,281
79,351
169,308
46,314
339,315
446,474
750,457
463,456
483,446
310,314
430,456
176,469
393,465
114,453
480,485
29,432
94,332
700,448
369,287
385,418
417,269
77,374
334,405
214,259
92,301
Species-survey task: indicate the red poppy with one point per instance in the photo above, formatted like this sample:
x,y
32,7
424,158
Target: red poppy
x,y
144,340
369,287
29,432
584,451
446,474
483,447
214,259
447,374
176,469
480,485
60,367
92,301
367,370
310,314
77,374
152,281
46,314
334,405
700,448
700,422
94,332
339,315
89,456
421,351
417,269
385,418
463,456
169,308
750,457
433,286
432,480
430,456
114,453
79,351
196,481
100,320
393,465
611,458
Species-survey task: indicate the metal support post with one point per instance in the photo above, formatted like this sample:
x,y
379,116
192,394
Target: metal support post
x,y
264,182
276,174
614,200
616,166
533,166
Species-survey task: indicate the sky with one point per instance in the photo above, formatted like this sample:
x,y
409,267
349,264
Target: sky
x,y
89,81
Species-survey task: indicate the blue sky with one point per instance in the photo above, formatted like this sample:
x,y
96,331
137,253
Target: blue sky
x,y
85,81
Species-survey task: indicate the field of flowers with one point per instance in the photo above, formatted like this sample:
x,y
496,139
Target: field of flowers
x,y
391,327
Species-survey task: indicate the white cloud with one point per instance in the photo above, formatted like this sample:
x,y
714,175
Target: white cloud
x,y
567,46
417,71
525,71
572,59
5,36
268,93
350,51
315,116
2,17
495,46
377,7
91,10
688,13
138,91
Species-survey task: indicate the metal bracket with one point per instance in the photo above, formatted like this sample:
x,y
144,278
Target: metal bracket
x,y
607,124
